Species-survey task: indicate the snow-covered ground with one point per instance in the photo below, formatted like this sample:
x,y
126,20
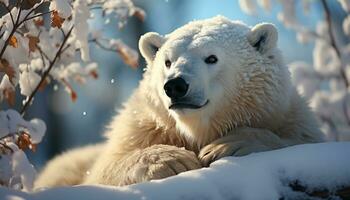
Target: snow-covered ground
x,y
257,176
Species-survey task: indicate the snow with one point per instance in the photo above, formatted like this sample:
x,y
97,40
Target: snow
x,y
248,6
81,30
28,80
346,25
23,169
263,175
265,4
345,4
15,169
11,121
6,2
27,65
62,6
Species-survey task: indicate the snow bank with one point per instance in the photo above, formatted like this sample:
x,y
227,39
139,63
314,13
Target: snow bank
x,y
260,176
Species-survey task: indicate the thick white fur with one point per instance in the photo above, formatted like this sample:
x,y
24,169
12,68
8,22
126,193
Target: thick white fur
x,y
252,107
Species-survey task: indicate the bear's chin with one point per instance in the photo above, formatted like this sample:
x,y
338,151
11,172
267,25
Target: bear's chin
x,y
188,106
186,111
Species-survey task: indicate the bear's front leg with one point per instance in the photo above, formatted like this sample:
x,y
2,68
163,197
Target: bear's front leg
x,y
154,162
240,142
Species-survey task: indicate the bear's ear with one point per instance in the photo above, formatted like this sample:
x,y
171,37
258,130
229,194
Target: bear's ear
x,y
149,44
263,37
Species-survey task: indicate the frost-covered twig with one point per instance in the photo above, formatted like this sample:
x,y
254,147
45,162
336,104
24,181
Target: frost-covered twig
x,y
9,11
46,73
332,40
335,47
18,23
129,56
34,54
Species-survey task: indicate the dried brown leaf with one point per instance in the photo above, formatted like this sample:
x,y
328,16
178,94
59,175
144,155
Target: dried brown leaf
x,y
33,43
10,96
56,20
23,141
39,22
94,74
13,41
128,56
7,69
69,88
140,14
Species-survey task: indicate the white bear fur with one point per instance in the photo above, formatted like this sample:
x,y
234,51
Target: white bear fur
x,y
252,107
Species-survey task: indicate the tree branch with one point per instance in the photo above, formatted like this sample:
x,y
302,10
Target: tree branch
x,y
335,47
46,73
332,40
102,46
343,193
38,15
17,24
9,11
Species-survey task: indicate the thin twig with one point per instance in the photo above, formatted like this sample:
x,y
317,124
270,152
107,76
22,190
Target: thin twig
x,y
7,136
42,53
19,4
96,8
46,73
9,11
332,40
102,46
17,24
335,47
38,15
332,126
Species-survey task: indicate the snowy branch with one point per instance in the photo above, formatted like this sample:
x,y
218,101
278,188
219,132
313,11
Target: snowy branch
x,y
332,40
34,54
46,73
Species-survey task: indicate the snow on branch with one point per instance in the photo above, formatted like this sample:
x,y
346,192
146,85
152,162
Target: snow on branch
x,y
298,172
44,42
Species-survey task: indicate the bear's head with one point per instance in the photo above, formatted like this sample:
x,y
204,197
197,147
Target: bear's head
x,y
215,74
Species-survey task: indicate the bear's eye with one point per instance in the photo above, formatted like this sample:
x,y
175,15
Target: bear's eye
x,y
167,63
212,59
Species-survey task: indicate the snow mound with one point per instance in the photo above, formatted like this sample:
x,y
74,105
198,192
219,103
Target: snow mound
x,y
266,175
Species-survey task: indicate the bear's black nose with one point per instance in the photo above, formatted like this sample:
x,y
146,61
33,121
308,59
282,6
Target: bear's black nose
x,y
176,88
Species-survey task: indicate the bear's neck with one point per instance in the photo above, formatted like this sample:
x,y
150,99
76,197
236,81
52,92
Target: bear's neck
x,y
198,130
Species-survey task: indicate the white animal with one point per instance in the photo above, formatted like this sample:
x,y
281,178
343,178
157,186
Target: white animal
x,y
212,88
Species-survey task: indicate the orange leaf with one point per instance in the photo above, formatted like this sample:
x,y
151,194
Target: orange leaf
x,y
7,69
23,141
39,22
128,56
93,74
33,43
10,96
140,14
56,20
73,95
69,88
13,41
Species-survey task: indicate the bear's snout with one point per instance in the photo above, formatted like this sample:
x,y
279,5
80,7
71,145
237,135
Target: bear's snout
x,y
176,88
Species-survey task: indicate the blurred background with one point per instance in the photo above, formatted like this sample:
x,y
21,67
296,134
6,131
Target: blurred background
x,y
82,122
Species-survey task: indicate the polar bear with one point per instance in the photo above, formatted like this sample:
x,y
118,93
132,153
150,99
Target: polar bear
x,y
212,88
